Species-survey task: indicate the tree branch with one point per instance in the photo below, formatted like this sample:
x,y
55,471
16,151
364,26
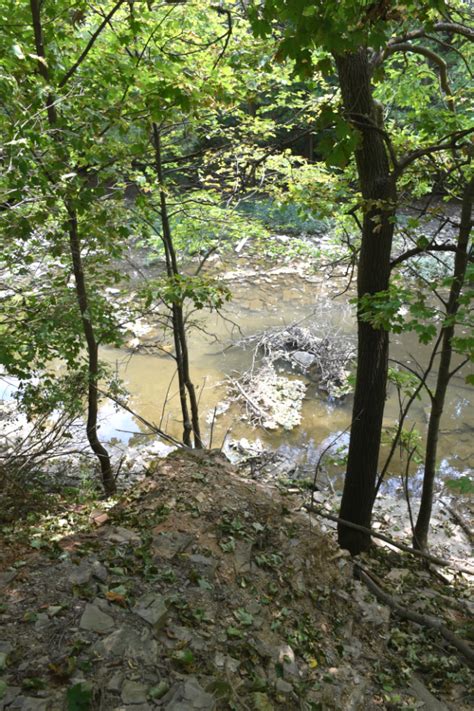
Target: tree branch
x,y
433,57
445,145
455,28
401,546
405,613
422,250
90,44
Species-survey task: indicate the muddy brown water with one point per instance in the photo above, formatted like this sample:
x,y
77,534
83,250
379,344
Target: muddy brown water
x,y
263,298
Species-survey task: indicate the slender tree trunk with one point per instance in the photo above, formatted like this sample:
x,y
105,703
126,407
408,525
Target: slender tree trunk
x,y
92,355
178,320
420,535
187,426
80,284
379,196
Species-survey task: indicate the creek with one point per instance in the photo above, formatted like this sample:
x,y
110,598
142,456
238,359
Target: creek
x,y
267,296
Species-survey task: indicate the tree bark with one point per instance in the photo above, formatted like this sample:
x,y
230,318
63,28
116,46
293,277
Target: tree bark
x,y
99,450
379,199
420,534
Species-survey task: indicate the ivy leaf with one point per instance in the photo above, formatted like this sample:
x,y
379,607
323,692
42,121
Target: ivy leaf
x,y
244,617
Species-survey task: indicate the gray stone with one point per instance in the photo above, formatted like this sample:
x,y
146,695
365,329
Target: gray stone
x,y
283,687
206,566
152,608
226,662
122,535
102,604
242,557
99,571
11,693
31,703
133,692
82,573
189,696
6,578
115,683
42,621
127,643
373,613
168,545
95,620
303,359
5,650
357,699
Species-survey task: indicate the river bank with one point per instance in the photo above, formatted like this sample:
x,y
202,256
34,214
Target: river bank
x,y
200,588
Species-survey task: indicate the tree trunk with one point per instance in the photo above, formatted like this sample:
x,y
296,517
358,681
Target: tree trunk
x,y
93,357
379,200
99,450
420,535
178,321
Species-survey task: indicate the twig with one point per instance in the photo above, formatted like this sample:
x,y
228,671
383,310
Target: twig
x,y
323,454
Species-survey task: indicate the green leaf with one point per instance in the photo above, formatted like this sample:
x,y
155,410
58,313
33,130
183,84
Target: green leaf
x,y
244,617
79,698
233,632
158,691
422,242
184,657
463,485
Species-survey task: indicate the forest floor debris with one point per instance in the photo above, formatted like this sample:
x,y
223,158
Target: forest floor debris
x,y
203,589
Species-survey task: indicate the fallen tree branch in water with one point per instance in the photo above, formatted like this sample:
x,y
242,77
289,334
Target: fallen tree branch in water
x,y
406,549
406,614
151,426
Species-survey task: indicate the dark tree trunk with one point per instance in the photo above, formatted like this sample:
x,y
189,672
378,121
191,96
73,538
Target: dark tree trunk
x,y
420,534
379,199
186,387
99,450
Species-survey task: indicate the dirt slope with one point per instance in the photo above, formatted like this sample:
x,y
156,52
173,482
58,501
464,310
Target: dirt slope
x,y
198,590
